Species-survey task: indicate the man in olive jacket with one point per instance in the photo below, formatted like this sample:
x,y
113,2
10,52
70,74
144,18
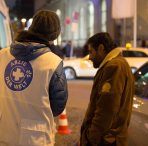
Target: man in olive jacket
x,y
109,111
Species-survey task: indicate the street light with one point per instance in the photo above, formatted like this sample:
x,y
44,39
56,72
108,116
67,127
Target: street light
x,y
23,22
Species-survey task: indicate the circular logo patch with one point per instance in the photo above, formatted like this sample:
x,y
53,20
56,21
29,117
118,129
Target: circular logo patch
x,y
106,87
18,75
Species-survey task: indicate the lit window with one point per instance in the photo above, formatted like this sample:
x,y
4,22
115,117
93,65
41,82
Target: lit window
x,y
91,19
55,42
82,23
75,34
58,42
103,16
58,12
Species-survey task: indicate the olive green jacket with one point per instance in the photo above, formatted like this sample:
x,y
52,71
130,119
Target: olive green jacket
x,y
109,111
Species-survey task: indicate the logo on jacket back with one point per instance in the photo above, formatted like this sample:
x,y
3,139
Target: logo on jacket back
x,y
18,75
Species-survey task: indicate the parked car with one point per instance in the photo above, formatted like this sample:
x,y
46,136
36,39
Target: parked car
x,y
83,67
138,128
135,56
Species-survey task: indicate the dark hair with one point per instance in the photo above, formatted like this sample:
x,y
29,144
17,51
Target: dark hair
x,y
104,39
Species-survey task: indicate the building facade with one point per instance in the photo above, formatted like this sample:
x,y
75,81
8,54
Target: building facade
x,y
21,9
96,16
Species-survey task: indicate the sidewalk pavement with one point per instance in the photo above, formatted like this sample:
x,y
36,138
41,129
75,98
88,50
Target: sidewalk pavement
x,y
75,118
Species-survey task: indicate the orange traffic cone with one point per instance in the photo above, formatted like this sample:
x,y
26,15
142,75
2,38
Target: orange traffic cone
x,y
63,124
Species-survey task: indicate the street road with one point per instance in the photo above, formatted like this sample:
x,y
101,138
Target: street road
x,y
79,93
78,99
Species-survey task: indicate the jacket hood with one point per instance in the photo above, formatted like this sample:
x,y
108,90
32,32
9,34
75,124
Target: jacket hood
x,y
27,51
113,54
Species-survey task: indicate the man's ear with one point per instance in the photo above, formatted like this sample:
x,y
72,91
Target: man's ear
x,y
101,48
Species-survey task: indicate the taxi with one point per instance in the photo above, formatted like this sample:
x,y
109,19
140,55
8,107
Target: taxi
x,y
83,67
138,128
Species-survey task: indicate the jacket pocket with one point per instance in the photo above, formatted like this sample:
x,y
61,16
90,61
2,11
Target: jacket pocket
x,y
32,132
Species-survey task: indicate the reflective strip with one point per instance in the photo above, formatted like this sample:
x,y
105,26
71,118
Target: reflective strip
x,y
63,117
63,128
63,122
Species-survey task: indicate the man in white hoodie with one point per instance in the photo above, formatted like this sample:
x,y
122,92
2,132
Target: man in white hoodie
x,y
33,87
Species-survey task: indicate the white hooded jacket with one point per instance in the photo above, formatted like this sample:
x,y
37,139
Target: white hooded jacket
x,y
26,117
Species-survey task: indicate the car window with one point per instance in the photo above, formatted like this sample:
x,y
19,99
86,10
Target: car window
x,y
126,53
139,54
134,54
141,81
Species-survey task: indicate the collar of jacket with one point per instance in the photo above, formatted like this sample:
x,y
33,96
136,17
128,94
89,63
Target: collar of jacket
x,y
27,51
113,54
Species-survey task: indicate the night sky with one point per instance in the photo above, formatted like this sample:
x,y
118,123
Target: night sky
x,y
10,3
